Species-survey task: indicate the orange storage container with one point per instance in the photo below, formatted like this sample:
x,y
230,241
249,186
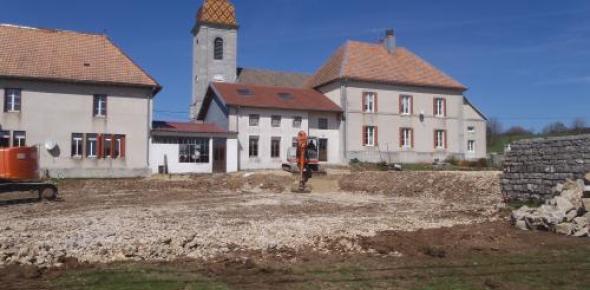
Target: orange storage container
x,y
19,163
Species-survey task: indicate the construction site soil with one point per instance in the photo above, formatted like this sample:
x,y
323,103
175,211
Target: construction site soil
x,y
247,230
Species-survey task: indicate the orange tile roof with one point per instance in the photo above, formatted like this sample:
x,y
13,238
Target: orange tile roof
x,y
246,95
35,53
373,63
217,12
186,127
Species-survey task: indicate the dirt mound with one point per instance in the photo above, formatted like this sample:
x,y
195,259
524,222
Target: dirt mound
x,y
450,186
206,183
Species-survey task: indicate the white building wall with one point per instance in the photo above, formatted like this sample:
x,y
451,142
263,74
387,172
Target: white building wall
x,y
239,120
53,111
171,151
232,155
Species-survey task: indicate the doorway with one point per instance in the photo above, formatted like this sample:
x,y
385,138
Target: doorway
x,y
219,155
323,154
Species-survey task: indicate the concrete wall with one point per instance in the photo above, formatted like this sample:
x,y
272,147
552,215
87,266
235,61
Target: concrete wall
x,y
389,121
533,167
205,67
53,111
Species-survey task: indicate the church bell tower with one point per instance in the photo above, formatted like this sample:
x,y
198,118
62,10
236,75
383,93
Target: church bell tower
x,y
215,41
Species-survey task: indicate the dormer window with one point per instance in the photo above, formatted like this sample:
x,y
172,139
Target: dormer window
x,y
218,48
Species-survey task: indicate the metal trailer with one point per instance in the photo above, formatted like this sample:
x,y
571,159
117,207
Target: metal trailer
x,y
45,190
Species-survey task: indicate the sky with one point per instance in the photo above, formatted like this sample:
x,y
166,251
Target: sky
x,y
526,62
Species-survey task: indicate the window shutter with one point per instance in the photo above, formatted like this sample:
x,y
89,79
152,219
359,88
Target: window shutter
x,y
400,104
376,103
444,105
365,136
445,137
364,102
412,136
412,105
122,153
401,137
106,102
113,141
376,136
99,147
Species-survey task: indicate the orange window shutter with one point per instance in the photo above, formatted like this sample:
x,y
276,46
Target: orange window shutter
x,y
434,107
123,146
445,137
400,104
412,105
401,137
364,136
113,146
99,147
435,139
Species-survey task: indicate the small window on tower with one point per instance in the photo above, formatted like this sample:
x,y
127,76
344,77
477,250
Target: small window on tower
x,y
218,49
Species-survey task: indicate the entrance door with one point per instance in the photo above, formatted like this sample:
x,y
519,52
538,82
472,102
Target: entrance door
x,y
323,144
219,155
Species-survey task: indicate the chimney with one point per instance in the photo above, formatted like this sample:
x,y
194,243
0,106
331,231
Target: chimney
x,y
389,40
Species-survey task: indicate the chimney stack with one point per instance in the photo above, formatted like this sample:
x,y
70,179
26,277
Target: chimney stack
x,y
389,41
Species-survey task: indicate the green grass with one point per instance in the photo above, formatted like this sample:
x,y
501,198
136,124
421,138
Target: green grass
x,y
135,278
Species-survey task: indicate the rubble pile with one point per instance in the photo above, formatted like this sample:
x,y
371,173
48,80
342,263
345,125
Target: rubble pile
x,y
566,214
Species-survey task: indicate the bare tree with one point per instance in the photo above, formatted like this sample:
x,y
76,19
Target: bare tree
x,y
578,125
517,130
494,130
555,128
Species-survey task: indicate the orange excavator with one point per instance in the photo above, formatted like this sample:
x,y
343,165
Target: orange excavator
x,y
303,161
19,172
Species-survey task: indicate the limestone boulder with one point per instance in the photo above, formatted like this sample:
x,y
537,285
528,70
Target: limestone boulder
x,y
573,191
564,229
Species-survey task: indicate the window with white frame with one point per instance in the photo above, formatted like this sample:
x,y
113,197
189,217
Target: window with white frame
x,y
100,105
406,105
369,136
254,120
369,102
12,100
276,121
4,139
19,139
190,150
91,145
406,140
439,139
297,122
471,146
439,107
77,145
107,146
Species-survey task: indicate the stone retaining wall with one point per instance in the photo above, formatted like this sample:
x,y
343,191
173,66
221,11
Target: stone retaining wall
x,y
534,167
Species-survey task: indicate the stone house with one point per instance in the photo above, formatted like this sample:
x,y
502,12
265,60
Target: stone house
x,y
79,98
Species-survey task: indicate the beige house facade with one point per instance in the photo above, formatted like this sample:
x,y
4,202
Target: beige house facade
x,y
79,99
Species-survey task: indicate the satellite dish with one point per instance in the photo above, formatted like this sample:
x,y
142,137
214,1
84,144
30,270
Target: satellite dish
x,y
50,145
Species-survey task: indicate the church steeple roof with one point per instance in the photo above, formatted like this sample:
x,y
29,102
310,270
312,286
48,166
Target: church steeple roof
x,y
220,12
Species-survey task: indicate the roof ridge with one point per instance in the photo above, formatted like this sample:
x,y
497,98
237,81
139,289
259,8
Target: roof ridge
x,y
17,26
274,71
344,59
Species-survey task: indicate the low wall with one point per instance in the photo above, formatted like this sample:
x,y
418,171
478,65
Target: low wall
x,y
534,167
